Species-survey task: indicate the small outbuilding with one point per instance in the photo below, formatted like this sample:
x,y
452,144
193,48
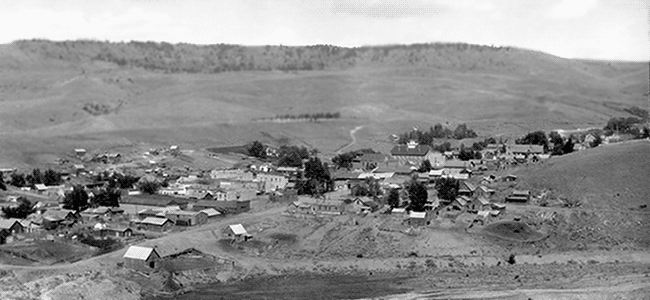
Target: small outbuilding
x,y
142,259
238,233
418,218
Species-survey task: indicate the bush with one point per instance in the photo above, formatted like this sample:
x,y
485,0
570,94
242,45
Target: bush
x,y
149,187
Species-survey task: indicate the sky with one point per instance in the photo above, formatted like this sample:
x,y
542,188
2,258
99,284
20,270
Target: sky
x,y
593,29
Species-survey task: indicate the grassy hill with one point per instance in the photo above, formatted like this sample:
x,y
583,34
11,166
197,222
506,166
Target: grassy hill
x,y
608,177
55,96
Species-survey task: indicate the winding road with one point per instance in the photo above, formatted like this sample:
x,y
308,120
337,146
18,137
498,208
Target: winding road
x,y
354,140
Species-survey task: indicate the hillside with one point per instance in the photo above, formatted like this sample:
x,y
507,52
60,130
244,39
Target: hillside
x,y
55,96
607,177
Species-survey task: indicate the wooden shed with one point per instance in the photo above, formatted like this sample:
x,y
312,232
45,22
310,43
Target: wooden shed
x,y
143,259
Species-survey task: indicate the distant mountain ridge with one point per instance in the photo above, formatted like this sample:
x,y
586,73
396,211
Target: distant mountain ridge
x,y
189,58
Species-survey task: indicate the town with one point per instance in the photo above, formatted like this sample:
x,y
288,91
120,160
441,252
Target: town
x,y
96,201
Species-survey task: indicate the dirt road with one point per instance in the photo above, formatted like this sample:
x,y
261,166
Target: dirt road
x,y
354,140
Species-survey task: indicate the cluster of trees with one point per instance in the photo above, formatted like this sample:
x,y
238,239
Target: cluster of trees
x,y
78,199
447,189
469,153
436,132
534,138
117,180
344,160
312,117
368,188
292,156
188,58
256,149
317,179
49,177
149,187
21,211
418,195
558,145
624,126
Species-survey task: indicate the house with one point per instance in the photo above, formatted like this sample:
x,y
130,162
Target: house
x,y
146,213
40,188
299,207
498,206
466,189
272,181
10,227
479,203
484,191
360,206
79,168
435,174
412,153
398,212
418,219
133,204
156,224
238,233
328,207
123,232
80,152
141,259
53,219
187,218
518,196
459,203
211,213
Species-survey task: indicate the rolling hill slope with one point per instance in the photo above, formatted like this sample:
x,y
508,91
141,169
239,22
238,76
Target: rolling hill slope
x,y
609,177
58,95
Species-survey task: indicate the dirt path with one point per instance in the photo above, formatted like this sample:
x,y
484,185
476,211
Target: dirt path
x,y
354,139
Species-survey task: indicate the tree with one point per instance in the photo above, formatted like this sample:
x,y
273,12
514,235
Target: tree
x,y
77,199
343,160
107,197
534,138
24,209
149,187
425,166
418,195
51,177
393,198
568,147
18,180
2,182
557,142
317,178
447,188
257,149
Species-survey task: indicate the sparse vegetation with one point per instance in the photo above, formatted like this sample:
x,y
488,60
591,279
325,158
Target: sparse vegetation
x,y
310,116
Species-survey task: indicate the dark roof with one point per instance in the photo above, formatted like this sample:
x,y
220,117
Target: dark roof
x,y
152,200
459,164
404,150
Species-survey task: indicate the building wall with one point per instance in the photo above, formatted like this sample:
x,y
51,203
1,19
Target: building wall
x,y
142,266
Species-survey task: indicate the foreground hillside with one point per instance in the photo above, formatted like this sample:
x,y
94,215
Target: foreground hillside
x,y
58,95
608,177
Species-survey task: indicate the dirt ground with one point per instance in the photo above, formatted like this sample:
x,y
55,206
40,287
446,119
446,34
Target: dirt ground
x,y
336,256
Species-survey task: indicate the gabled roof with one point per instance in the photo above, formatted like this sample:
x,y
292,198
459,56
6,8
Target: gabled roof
x,y
483,201
211,212
398,210
405,150
183,212
151,200
155,221
140,253
417,215
8,223
435,172
520,193
40,186
237,229
483,213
